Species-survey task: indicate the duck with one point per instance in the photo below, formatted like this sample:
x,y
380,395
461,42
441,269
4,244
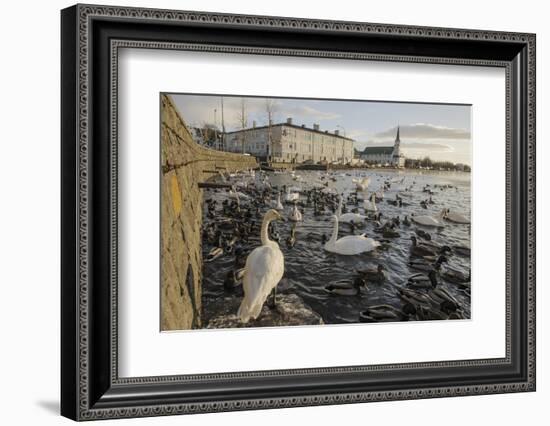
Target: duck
x,y
428,220
455,276
370,205
441,295
295,214
414,297
406,221
386,312
373,275
346,288
456,217
230,244
390,232
423,234
421,250
448,306
349,245
291,240
264,269
423,281
233,279
422,265
214,254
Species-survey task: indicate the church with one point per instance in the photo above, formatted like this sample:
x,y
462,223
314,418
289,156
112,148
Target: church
x,y
385,155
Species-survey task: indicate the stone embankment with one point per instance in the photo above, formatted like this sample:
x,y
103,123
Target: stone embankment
x,y
184,165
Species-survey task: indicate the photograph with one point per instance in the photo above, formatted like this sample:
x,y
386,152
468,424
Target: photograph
x,y
309,212
274,207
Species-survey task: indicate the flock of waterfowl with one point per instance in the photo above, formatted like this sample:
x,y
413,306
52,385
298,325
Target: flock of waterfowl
x,y
240,223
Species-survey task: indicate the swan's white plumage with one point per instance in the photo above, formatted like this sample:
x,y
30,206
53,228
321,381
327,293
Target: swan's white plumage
x,y
427,220
264,269
370,205
456,217
291,196
361,185
295,214
348,217
276,204
350,245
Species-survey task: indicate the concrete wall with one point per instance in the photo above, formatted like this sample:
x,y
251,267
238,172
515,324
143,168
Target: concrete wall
x,y
184,165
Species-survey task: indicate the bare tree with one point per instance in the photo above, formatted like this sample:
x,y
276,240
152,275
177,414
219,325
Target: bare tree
x,y
270,108
243,123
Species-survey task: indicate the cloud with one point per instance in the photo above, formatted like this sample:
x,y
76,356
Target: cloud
x,y
307,111
423,131
417,146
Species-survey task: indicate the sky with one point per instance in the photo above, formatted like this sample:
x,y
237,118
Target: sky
x,y
440,131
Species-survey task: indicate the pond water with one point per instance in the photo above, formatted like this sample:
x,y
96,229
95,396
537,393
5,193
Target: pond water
x,y
309,268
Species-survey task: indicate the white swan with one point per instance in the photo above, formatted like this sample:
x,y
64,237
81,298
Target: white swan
x,y
291,196
264,269
349,217
456,217
362,185
295,214
276,204
350,245
370,205
430,220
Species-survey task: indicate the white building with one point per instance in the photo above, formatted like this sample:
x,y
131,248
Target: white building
x,y
385,155
291,144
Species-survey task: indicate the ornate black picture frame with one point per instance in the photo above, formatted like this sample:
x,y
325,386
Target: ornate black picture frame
x,y
91,36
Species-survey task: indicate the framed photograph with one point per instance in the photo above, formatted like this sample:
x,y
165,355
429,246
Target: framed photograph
x,y
263,212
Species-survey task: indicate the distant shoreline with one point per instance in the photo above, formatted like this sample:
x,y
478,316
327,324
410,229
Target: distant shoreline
x,y
319,167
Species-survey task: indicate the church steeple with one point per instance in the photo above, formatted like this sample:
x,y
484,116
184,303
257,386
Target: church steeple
x,y
397,157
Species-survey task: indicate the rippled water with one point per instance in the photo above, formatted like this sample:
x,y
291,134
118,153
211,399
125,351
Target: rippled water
x,y
309,268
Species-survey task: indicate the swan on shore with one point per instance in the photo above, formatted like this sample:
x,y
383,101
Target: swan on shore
x,y
264,269
350,245
428,220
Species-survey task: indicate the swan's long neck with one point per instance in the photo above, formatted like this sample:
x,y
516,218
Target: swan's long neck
x,y
339,212
264,236
334,231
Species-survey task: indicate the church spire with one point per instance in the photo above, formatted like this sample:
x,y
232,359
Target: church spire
x,y
397,137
